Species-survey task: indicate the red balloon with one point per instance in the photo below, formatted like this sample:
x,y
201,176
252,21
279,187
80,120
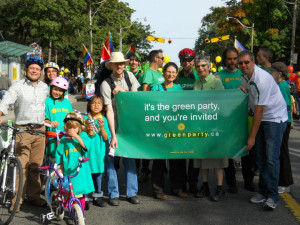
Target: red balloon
x,y
293,77
291,69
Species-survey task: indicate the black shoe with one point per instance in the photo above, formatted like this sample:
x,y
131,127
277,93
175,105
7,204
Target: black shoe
x,y
114,201
133,200
232,189
250,186
219,194
99,202
204,192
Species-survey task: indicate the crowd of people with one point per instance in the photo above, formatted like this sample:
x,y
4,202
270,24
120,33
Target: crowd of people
x,y
37,102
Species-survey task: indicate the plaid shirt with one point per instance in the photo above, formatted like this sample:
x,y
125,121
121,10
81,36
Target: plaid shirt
x,y
29,101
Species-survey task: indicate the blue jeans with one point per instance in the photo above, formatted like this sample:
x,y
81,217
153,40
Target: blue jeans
x,y
2,93
267,152
112,179
97,179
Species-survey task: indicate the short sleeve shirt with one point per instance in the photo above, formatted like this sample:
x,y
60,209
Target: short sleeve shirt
x,y
187,83
230,80
208,83
152,77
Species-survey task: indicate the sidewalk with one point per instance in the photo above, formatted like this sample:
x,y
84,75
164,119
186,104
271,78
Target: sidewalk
x,y
11,114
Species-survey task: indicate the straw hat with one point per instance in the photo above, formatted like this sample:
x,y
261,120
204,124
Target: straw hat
x,y
116,57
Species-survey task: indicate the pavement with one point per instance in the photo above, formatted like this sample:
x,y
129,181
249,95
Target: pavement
x,y
234,209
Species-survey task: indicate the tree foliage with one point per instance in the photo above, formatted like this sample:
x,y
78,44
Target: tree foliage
x,y
272,20
65,23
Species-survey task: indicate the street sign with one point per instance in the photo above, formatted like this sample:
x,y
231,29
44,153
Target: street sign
x,y
156,39
217,39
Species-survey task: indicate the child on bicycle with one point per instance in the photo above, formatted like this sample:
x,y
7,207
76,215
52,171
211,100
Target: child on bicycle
x,y
57,107
76,144
99,140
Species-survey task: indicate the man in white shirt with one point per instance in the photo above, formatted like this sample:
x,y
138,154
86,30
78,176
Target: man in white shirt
x,y
269,122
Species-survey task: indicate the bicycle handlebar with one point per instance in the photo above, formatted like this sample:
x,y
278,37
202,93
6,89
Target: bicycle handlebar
x,y
22,130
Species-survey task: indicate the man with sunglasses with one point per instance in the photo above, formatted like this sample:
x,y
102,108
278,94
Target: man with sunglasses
x,y
269,122
231,79
187,76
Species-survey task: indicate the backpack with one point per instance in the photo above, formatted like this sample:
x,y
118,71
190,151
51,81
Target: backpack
x,y
112,85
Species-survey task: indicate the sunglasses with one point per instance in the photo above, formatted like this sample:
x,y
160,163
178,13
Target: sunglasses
x,y
186,60
243,62
162,58
202,65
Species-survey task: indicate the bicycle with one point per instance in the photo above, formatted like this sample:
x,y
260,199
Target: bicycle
x,y
11,172
63,197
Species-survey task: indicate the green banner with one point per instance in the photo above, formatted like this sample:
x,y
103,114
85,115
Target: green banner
x,y
182,124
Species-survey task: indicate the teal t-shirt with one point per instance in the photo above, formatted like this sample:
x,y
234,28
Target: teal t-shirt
x,y
230,80
152,77
187,83
140,79
285,90
97,148
56,111
159,87
68,152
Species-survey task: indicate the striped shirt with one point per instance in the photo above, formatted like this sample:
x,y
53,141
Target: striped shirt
x,y
29,101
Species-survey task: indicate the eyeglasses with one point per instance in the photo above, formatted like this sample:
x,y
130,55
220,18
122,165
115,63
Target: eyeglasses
x,y
186,60
162,58
202,65
243,62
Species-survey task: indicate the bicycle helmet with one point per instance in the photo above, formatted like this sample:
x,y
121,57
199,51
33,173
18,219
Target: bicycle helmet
x,y
35,60
186,54
60,82
74,116
51,65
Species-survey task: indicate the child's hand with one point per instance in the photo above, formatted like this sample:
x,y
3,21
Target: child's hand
x,y
54,124
90,128
100,122
72,133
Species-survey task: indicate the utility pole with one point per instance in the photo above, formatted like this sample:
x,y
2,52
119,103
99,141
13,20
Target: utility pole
x,y
91,34
293,33
49,53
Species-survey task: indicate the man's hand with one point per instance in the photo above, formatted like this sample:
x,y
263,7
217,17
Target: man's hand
x,y
114,142
117,90
54,124
243,88
250,143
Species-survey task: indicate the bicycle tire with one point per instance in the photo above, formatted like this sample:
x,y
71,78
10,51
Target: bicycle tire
x,y
77,215
6,216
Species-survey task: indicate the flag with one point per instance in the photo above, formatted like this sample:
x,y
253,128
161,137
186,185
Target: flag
x,y
107,48
131,50
239,47
87,58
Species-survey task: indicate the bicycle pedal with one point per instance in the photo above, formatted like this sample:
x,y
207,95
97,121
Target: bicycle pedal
x,y
50,216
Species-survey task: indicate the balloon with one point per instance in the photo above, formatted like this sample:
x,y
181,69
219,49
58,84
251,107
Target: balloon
x,y
220,68
218,59
293,77
211,65
298,73
166,59
61,73
66,70
160,69
213,70
291,69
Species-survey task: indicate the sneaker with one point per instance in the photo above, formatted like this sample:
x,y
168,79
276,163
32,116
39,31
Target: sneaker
x,y
257,199
219,194
269,204
282,189
114,201
204,192
232,189
99,202
133,200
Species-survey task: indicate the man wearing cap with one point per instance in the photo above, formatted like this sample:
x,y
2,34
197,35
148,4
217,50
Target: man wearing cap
x,y
29,96
269,122
134,63
122,81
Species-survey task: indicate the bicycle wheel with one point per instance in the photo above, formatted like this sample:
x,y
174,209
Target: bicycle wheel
x,y
77,215
13,189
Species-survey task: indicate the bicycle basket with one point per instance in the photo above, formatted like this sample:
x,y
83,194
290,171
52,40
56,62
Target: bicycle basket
x,y
5,137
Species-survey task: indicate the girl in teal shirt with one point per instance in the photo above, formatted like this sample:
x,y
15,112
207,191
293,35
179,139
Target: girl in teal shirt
x,y
57,107
99,139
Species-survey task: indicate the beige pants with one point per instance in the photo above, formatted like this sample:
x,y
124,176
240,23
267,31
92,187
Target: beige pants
x,y
30,150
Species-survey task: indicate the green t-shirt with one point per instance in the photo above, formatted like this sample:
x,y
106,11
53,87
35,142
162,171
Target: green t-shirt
x,y
97,148
140,79
152,77
285,90
187,83
68,152
159,87
56,111
230,80
208,83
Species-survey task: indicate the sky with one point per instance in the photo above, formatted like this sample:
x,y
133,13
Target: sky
x,y
178,20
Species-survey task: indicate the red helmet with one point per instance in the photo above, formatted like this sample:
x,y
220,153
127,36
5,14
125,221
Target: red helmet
x,y
186,54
